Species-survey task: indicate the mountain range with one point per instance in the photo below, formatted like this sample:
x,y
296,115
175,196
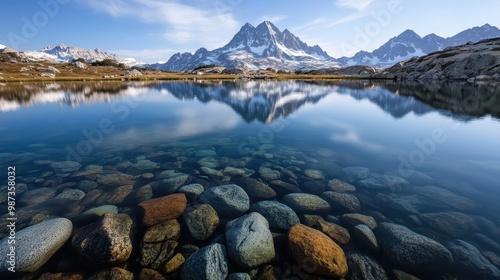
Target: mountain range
x,y
63,53
409,44
267,46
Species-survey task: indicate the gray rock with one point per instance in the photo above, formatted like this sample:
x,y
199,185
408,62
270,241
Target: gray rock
x,y
65,166
342,202
106,241
170,184
444,197
209,162
410,250
469,261
211,172
228,200
354,219
101,210
86,185
68,196
355,173
249,240
205,153
36,196
303,203
145,165
314,174
453,224
201,220
362,266
210,263
279,216
383,182
239,276
256,190
35,245
79,64
416,178
191,191
340,186
269,174
114,273
365,237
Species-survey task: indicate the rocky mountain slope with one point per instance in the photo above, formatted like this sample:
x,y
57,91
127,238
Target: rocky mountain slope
x,y
479,61
409,44
256,48
63,53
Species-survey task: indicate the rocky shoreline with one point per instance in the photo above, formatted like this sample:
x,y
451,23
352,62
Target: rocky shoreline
x,y
211,210
472,62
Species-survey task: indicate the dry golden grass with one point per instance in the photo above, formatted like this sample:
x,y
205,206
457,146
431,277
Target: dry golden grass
x,y
11,72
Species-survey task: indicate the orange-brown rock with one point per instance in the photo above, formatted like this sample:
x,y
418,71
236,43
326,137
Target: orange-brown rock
x,y
164,208
313,248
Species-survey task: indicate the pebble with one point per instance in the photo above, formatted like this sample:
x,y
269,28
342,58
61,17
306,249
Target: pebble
x,y
191,191
469,261
335,232
362,266
342,202
174,264
201,221
164,208
114,273
104,242
453,224
303,203
353,219
169,184
317,250
365,237
256,190
209,263
269,174
35,245
340,186
279,216
101,210
65,166
249,241
314,174
228,200
410,250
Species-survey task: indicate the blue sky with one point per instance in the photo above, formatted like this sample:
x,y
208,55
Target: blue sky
x,y
153,30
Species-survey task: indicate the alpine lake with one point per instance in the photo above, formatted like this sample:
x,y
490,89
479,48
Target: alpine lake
x,y
211,179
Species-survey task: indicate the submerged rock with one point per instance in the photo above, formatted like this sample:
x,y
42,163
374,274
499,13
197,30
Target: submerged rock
x,y
304,203
249,240
362,266
469,261
114,273
201,221
210,263
256,190
317,250
342,202
279,216
164,208
410,250
340,186
35,245
453,224
106,241
65,166
228,200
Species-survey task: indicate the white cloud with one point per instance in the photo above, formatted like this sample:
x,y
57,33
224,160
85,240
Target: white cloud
x,y
354,4
147,55
182,23
272,18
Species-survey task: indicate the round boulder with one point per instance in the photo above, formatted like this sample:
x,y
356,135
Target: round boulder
x,y
228,200
249,240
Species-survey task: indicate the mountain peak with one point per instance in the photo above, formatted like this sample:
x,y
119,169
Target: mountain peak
x,y
257,48
408,34
62,46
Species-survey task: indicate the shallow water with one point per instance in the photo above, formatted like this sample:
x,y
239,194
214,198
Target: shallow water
x,y
446,136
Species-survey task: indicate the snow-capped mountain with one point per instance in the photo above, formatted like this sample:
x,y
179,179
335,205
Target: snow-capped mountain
x,y
2,47
63,53
409,44
256,48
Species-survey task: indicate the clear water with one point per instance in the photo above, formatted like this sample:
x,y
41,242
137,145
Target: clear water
x,y
449,132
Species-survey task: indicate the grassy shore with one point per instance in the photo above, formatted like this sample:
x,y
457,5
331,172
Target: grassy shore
x,y
33,72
